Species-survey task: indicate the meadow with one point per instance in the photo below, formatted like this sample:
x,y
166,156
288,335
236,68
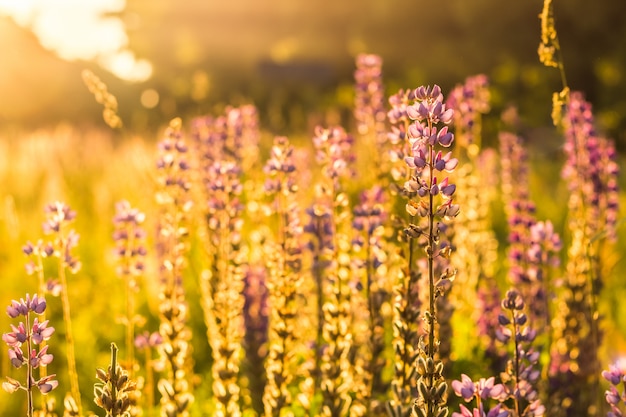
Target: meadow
x,y
387,263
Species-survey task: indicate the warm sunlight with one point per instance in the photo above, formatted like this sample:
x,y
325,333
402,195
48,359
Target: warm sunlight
x,y
81,30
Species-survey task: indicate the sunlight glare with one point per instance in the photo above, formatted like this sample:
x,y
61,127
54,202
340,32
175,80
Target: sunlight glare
x,y
81,30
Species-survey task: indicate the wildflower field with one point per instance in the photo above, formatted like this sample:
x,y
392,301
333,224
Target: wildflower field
x,y
386,263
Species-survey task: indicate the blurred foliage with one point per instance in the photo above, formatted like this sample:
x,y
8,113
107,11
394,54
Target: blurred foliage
x,y
293,59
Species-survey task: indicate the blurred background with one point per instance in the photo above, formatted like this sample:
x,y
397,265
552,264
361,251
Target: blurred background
x,y
169,58
295,61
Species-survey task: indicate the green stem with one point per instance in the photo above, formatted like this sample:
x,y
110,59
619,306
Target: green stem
x,y
29,368
69,337
431,274
130,305
43,370
516,363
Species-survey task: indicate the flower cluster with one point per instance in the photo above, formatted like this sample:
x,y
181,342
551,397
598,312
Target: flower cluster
x,y
431,200
469,101
590,175
129,237
428,111
482,391
29,335
223,284
58,216
285,279
521,375
369,108
173,197
369,218
616,376
334,151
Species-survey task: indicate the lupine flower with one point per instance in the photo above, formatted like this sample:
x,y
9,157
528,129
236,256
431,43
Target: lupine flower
x,y
616,394
173,197
521,377
47,384
369,110
23,341
430,199
24,306
464,388
481,391
284,281
148,340
334,151
41,331
589,175
372,269
129,237
468,101
220,142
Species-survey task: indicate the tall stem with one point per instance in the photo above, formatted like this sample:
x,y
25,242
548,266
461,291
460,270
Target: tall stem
x,y
43,371
130,305
516,359
29,373
431,273
69,337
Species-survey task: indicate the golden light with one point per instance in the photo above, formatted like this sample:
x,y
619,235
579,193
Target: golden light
x,y
149,98
81,30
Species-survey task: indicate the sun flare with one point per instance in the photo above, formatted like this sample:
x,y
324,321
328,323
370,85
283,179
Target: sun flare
x,y
80,30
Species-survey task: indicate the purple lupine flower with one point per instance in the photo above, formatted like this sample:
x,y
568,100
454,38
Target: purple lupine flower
x,y
47,384
465,412
369,108
16,356
591,167
612,396
17,308
616,372
41,358
465,388
28,336
487,388
17,336
57,213
521,375
24,306
41,331
129,237
147,340
334,151
469,101
498,411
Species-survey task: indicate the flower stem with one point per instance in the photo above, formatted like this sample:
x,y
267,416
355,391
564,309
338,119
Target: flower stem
x,y
431,274
69,337
29,368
